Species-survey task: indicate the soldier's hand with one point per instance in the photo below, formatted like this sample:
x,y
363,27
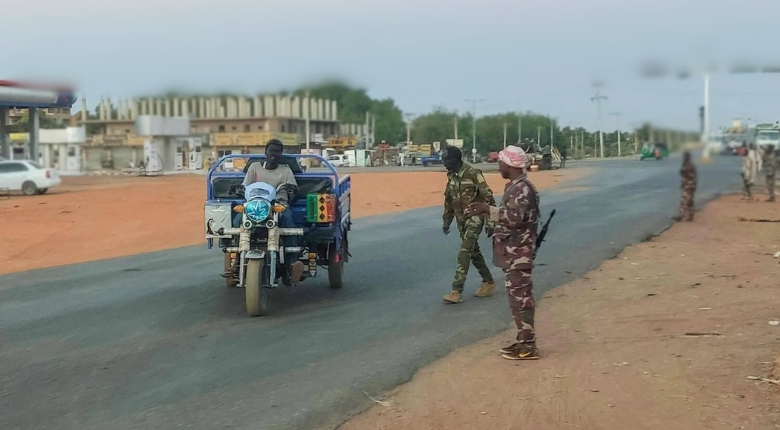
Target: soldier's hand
x,y
477,209
489,231
446,229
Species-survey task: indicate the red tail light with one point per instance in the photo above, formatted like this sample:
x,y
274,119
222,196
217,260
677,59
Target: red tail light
x,y
48,174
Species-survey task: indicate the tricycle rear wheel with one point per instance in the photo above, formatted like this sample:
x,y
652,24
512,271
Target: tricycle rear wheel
x,y
335,268
256,293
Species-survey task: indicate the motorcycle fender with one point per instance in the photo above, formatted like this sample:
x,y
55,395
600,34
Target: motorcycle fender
x,y
255,255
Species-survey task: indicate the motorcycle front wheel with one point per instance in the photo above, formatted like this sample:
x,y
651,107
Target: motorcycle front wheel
x,y
256,293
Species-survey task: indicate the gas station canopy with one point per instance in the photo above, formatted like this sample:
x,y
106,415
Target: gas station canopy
x,y
18,95
23,96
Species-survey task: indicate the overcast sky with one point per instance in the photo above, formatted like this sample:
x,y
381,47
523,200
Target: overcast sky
x,y
514,54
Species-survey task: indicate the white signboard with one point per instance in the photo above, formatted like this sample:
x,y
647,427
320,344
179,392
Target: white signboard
x,y
458,143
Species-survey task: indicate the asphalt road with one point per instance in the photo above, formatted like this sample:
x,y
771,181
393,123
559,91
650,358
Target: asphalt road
x,y
156,341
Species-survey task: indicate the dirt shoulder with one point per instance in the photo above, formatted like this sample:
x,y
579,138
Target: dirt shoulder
x,y
97,217
614,344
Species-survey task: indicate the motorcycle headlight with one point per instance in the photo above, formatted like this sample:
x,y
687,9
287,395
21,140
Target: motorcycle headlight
x,y
257,210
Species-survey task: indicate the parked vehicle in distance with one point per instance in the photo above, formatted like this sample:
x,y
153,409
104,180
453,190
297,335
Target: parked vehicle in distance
x,y
339,160
27,176
492,157
433,159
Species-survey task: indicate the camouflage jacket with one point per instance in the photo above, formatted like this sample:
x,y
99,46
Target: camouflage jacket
x,y
514,239
464,187
770,164
688,175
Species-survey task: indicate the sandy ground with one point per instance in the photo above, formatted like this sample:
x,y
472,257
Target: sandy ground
x,y
96,217
615,353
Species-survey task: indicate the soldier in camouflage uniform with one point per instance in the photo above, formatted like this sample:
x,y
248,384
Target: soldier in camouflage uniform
x,y
514,243
466,185
770,164
688,175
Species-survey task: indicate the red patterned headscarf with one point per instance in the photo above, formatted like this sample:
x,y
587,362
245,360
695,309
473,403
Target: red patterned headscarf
x,y
513,156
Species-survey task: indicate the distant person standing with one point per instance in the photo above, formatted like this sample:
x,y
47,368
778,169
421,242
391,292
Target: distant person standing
x,y
688,186
564,153
770,164
748,174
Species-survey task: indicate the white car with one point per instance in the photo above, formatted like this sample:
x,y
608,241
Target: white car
x,y
27,176
339,160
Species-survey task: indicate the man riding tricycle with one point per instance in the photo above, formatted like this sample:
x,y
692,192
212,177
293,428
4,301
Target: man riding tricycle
x,y
657,151
276,222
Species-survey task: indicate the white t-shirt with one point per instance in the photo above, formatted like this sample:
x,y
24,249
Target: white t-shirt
x,y
282,174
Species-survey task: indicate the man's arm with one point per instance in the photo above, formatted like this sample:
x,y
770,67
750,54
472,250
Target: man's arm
x,y
484,192
449,212
518,200
290,187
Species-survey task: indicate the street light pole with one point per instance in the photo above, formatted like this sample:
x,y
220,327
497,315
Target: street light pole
x,y
598,98
552,127
409,117
706,125
474,128
617,119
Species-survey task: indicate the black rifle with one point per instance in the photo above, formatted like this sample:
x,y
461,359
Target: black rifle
x,y
543,233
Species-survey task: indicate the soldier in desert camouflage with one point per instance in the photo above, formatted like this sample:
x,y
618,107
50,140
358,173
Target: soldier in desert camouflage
x,y
770,164
466,185
514,242
688,175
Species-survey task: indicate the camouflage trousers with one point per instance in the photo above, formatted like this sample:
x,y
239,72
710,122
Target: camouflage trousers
x,y
519,289
686,204
770,185
470,254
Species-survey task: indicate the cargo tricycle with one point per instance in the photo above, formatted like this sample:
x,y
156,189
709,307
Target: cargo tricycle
x,y
253,243
657,151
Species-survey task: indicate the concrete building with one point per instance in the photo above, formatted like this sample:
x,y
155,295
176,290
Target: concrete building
x,y
60,115
61,149
228,114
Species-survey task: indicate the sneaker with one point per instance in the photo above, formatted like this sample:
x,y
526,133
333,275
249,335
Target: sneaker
x,y
511,348
453,297
522,352
296,272
486,290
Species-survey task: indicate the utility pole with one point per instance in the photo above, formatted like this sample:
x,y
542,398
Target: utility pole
x,y
373,130
367,130
409,117
504,135
456,126
474,127
636,141
552,127
617,120
539,135
519,127
704,134
308,115
598,98
582,142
